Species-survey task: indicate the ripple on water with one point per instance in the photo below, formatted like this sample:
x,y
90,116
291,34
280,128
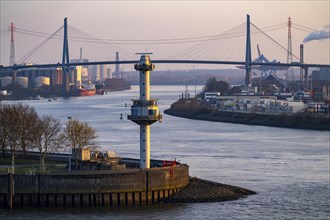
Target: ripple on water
x,y
288,168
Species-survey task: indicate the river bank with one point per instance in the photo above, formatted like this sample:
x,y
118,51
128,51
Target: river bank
x,y
200,191
193,110
184,188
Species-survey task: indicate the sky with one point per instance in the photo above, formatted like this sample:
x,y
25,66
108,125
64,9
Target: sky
x,y
149,20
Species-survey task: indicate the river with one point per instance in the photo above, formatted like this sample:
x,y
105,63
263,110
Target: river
x,y
288,168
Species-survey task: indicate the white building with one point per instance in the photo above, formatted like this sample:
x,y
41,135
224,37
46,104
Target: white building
x,y
254,103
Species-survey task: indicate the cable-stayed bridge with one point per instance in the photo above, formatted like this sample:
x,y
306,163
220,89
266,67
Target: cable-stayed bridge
x,y
232,47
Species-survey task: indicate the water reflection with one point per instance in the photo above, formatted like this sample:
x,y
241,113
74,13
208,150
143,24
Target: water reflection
x,y
288,168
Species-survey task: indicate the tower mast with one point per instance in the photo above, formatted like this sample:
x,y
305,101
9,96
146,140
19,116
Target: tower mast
x,y
12,46
289,55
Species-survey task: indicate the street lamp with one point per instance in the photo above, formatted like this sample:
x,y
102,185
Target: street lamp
x,y
70,151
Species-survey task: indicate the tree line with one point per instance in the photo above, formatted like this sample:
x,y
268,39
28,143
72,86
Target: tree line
x,y
212,85
22,129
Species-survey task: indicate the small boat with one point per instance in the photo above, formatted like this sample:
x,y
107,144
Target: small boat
x,y
52,99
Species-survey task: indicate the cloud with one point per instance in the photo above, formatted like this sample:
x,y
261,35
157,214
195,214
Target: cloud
x,y
323,34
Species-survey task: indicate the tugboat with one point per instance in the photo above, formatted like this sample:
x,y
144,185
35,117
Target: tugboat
x,y
99,89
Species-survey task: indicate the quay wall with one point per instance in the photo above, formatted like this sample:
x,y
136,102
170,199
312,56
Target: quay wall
x,y
94,188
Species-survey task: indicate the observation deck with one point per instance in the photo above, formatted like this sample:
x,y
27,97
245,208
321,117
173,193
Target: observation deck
x,y
144,112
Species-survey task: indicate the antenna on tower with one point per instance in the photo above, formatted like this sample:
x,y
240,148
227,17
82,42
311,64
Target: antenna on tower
x,y
12,47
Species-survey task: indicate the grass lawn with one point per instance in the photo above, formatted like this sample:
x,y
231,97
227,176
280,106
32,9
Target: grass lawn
x,y
19,161
31,165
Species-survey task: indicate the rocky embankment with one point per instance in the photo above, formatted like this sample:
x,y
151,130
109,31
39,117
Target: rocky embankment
x,y
199,191
193,110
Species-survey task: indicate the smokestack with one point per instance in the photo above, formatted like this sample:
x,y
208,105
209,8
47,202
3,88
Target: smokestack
x,y
117,70
301,62
80,54
301,53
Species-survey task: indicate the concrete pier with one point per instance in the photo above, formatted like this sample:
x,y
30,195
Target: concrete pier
x,y
91,189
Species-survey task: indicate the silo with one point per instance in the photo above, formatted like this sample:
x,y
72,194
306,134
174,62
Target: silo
x,y
42,80
23,81
5,81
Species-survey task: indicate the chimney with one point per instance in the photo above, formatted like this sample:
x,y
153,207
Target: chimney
x,y
80,54
301,62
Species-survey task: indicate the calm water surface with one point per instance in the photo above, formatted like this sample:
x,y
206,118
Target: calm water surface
x,y
289,169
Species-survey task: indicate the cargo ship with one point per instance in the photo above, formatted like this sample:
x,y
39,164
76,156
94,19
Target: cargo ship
x,y
116,84
88,90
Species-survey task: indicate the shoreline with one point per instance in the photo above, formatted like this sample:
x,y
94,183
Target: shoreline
x,y
195,111
183,188
204,191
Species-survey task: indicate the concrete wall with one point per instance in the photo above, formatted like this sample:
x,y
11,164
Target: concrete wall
x,y
98,188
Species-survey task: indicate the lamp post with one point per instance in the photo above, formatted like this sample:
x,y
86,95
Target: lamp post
x,y
70,151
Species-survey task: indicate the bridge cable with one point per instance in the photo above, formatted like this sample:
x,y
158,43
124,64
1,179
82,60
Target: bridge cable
x,y
282,47
205,45
28,55
103,42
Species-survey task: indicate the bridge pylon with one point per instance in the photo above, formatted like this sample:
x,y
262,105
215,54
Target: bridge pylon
x,y
248,57
65,60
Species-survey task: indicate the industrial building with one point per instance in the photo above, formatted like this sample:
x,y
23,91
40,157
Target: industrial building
x,y
268,104
320,84
55,76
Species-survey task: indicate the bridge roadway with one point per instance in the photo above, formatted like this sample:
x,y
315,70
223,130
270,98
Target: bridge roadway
x,y
305,65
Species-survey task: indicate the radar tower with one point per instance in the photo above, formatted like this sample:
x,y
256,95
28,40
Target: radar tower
x,y
144,111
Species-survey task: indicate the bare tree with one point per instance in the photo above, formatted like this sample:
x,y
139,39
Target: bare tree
x,y
27,117
11,138
78,135
3,131
46,137
16,127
